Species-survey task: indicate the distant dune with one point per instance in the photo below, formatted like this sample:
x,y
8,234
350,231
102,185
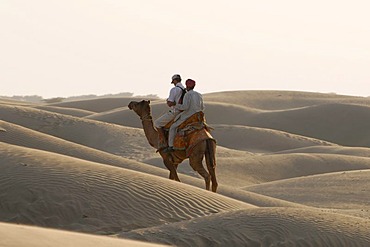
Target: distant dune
x,y
99,104
66,111
254,139
346,191
293,170
281,100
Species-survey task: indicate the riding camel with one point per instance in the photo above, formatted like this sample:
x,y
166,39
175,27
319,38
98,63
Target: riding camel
x,y
203,146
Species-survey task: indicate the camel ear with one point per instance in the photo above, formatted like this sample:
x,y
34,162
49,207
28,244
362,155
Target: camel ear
x,y
148,101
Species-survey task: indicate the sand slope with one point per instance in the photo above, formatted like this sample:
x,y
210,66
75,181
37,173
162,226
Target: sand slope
x,y
254,139
354,151
12,235
65,110
21,136
339,123
279,100
98,104
266,168
262,227
344,124
106,137
62,192
347,190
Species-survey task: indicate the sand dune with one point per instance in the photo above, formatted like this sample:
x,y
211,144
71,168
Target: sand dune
x,y
244,170
262,227
353,151
12,235
18,135
62,192
106,137
266,168
254,139
347,190
124,116
279,100
344,124
66,111
21,136
232,114
15,102
339,123
293,170
98,104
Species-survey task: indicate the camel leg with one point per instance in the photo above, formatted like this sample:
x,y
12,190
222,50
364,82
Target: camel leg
x,y
172,168
175,176
211,163
212,172
196,162
162,142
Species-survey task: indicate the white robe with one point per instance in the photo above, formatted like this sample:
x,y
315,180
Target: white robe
x,y
192,103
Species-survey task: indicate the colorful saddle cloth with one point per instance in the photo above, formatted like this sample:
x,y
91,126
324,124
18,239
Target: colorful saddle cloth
x,y
188,141
191,132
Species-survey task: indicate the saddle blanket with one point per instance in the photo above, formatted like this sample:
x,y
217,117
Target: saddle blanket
x,y
188,141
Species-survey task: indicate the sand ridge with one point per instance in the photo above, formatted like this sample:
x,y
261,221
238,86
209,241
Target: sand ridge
x,y
62,192
98,104
279,100
262,227
66,111
345,190
12,235
103,136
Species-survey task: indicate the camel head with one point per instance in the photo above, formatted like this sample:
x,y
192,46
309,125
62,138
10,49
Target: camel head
x,y
141,108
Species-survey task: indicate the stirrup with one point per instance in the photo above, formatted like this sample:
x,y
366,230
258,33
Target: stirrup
x,y
168,150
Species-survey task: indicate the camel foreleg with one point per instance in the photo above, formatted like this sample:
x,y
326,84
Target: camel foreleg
x,y
172,168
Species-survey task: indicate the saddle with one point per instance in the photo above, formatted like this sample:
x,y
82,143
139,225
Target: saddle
x,y
192,131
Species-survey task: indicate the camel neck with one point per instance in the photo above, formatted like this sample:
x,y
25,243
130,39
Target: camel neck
x,y
149,130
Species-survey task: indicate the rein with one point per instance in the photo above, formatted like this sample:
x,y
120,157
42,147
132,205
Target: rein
x,y
146,118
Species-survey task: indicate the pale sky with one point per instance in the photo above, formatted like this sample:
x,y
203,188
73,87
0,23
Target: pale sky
x,y
74,47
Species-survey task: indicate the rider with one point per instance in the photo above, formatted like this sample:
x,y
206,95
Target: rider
x,y
192,103
172,100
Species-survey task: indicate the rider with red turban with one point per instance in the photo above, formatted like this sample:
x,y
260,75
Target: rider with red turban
x,y
192,103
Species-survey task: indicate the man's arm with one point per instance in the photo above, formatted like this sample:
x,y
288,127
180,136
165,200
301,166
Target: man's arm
x,y
171,98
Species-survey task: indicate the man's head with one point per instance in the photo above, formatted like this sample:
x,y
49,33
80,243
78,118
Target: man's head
x,y
190,84
176,79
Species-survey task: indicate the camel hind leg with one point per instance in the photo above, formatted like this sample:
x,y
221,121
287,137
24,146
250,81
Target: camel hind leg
x,y
211,162
196,162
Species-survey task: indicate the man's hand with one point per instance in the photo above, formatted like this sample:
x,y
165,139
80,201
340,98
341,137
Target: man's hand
x,y
170,103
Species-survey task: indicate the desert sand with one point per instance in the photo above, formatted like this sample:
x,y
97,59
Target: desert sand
x,y
293,170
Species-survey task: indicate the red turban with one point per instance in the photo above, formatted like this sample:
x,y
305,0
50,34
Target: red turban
x,y
190,83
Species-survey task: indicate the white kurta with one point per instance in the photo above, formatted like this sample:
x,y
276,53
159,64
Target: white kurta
x,y
175,94
192,103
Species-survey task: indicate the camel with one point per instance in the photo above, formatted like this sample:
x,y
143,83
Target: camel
x,y
205,148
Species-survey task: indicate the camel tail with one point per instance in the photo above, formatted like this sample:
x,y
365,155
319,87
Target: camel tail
x,y
210,153
210,156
